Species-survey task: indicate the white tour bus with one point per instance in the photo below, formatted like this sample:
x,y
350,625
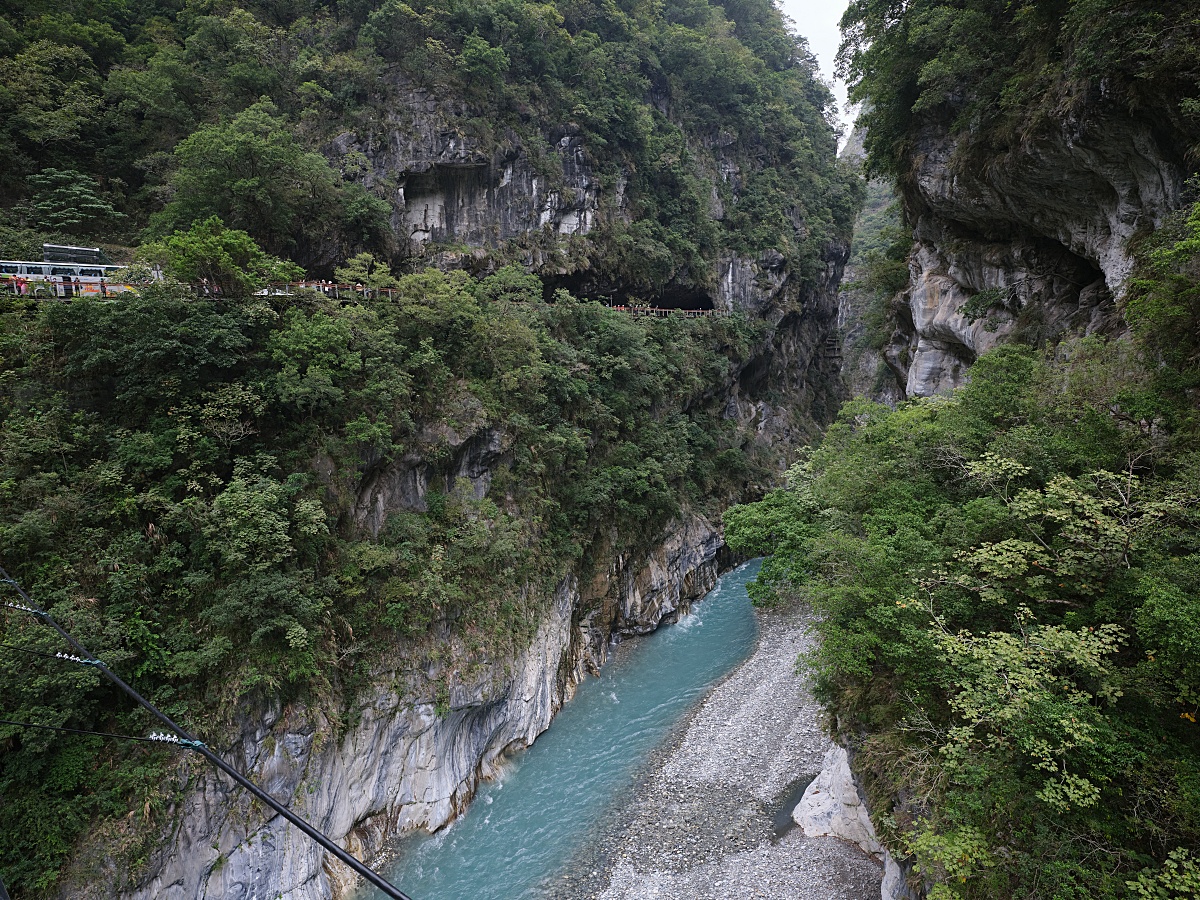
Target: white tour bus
x,y
64,272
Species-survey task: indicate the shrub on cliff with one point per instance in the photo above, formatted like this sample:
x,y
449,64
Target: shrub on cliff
x,y
180,483
996,72
1006,580
1163,305
227,260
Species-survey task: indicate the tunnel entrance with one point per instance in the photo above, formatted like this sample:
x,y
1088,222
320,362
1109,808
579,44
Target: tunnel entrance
x,y
587,287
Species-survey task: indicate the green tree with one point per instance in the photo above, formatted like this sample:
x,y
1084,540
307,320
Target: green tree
x,y
255,175
993,71
103,43
1178,879
49,98
226,258
366,270
511,283
67,200
481,63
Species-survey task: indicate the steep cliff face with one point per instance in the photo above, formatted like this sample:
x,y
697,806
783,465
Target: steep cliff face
x,y
792,385
466,198
453,186
411,750
1029,245
862,302
411,754
640,153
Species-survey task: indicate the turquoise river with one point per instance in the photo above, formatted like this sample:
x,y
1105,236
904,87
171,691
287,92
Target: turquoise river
x,y
522,827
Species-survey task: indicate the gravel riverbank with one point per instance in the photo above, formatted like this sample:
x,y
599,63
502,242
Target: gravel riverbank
x,y
709,817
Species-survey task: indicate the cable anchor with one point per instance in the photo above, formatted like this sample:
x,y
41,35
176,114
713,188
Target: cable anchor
x,y
175,739
24,608
79,659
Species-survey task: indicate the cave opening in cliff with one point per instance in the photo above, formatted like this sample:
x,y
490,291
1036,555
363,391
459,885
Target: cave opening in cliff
x,y
611,293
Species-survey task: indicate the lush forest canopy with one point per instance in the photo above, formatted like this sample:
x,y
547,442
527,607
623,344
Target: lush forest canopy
x,y
133,118
1008,580
999,71
178,472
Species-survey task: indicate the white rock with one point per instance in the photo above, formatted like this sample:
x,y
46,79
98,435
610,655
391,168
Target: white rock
x,y
1049,226
894,886
832,807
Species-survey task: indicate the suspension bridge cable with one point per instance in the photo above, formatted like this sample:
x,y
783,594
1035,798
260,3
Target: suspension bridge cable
x,y
361,868
155,738
65,656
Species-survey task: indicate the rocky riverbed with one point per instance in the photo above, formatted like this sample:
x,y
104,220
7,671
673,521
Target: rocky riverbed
x,y
710,817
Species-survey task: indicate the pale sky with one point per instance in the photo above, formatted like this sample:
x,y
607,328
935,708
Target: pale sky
x,y
817,20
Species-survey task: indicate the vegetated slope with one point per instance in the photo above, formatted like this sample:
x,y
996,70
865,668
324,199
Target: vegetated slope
x,y
1033,146
180,486
667,133
1008,573
181,475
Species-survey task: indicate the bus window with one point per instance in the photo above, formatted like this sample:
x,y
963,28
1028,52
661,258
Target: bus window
x,y
7,269
35,270
91,273
60,270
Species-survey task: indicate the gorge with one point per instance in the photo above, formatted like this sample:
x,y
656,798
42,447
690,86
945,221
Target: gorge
x,y
366,549
547,803
371,549
990,654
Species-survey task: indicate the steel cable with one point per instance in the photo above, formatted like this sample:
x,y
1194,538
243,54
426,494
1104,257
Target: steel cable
x,y
362,869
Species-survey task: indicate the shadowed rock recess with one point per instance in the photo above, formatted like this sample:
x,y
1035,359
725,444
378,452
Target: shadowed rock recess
x,y
1029,246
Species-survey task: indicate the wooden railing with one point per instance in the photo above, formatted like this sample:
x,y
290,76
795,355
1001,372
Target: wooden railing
x,y
663,312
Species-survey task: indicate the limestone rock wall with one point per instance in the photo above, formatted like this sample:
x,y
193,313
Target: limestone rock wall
x,y
792,386
451,183
406,759
447,188
1039,236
